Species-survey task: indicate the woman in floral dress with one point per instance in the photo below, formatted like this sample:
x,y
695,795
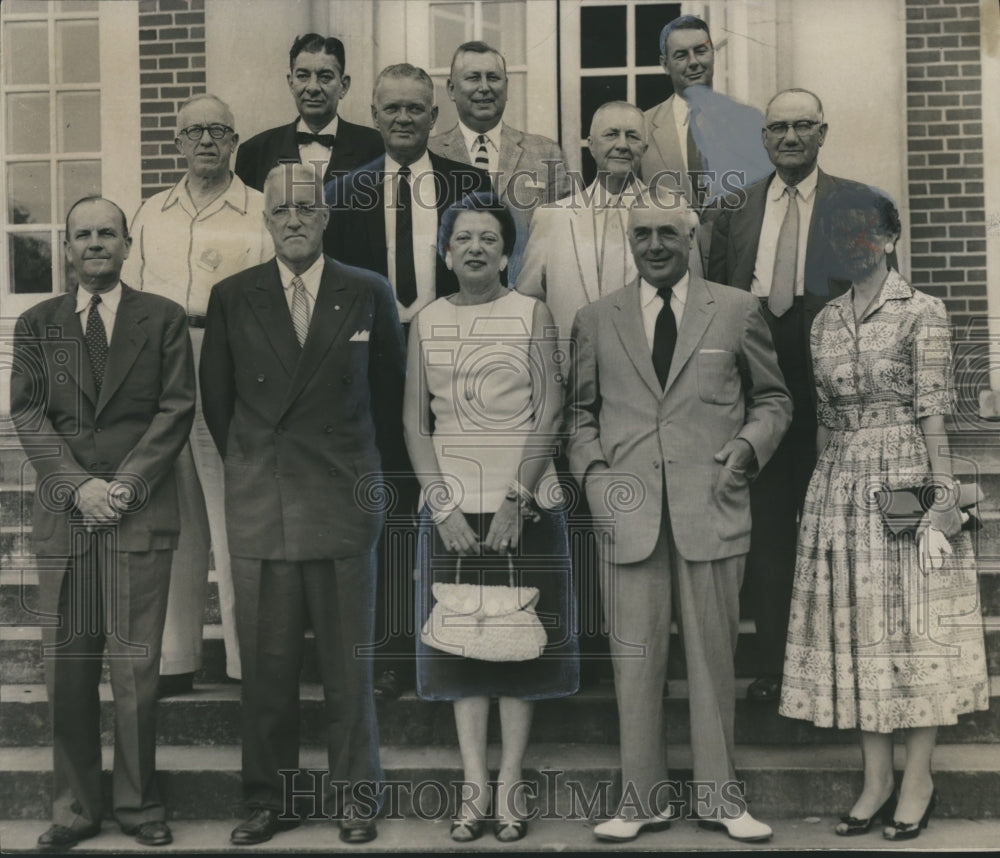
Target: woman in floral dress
x,y
885,631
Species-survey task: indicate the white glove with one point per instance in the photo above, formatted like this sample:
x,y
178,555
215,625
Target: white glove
x,y
932,548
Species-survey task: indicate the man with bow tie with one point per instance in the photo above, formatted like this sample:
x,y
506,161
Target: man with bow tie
x,y
302,375
318,80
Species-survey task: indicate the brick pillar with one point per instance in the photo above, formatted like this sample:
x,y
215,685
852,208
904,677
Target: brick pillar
x,y
171,69
945,143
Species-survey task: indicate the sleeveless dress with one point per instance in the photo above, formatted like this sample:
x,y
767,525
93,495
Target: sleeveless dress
x,y
480,373
873,642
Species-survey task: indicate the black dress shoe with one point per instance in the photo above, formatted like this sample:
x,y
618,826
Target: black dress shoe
x,y
355,830
151,833
173,684
59,838
910,830
262,825
390,684
765,689
851,826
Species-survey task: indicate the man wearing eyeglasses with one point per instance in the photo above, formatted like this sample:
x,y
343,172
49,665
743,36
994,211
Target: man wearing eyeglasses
x,y
318,81
185,239
302,373
771,248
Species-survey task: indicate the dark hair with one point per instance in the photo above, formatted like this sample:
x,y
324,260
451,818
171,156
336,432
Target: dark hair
x,y
864,198
476,48
314,43
478,201
684,22
93,198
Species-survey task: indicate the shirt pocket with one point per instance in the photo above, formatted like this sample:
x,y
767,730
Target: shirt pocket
x,y
718,379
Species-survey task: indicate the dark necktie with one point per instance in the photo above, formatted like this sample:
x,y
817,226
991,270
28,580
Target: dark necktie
x,y
406,276
304,138
664,336
96,337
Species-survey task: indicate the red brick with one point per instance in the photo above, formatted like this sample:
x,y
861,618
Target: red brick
x,y
198,62
149,49
175,33
191,77
149,93
965,291
155,77
944,130
941,41
923,28
173,62
915,42
973,260
933,14
915,72
916,101
962,56
944,158
972,158
147,107
927,174
926,115
913,14
189,18
923,232
175,92
976,246
942,100
921,218
946,275
964,173
918,190
156,164
973,188
147,35
148,122
947,246
970,40
962,85
972,70
928,145
173,5
923,85
197,47
197,32
966,231
146,20
975,215
148,6
918,57
147,64
918,278
967,27
943,70
959,114
978,306
978,274
966,143
929,261
916,131
942,216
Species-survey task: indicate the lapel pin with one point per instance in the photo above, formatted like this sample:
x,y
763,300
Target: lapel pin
x,y
336,306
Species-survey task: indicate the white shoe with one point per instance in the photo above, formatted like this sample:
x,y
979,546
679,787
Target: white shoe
x,y
622,830
744,827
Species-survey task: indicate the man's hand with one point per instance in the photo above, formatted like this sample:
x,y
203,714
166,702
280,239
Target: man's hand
x,y
93,500
737,455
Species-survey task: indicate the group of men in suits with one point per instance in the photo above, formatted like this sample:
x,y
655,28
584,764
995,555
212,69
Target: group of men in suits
x,y
680,386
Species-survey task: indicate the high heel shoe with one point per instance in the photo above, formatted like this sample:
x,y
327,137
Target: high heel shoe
x,y
909,830
851,825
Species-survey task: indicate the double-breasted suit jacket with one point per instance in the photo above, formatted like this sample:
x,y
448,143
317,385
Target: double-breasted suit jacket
x,y
354,145
724,383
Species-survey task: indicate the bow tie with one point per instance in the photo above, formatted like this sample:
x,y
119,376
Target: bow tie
x,y
304,138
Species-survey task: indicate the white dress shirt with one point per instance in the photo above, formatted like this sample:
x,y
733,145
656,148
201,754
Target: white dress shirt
x,y
423,197
313,152
108,308
651,303
492,146
310,279
774,214
682,112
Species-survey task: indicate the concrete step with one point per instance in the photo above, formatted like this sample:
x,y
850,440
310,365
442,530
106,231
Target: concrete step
x,y
210,715
781,783
20,653
569,836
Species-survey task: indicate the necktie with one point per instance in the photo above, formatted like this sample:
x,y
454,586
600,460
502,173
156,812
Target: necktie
x,y
664,336
785,259
300,310
304,138
695,164
406,276
482,156
96,337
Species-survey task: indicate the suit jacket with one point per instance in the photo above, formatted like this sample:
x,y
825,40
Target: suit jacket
x,y
560,261
355,145
132,432
666,149
724,383
303,432
356,232
531,167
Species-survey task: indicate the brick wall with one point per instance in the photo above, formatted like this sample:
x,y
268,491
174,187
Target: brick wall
x,y
171,69
945,174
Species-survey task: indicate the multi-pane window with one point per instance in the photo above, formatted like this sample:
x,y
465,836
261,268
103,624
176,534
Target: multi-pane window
x,y
52,132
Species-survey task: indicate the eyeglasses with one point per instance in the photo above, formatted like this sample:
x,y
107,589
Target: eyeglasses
x,y
802,128
302,211
215,131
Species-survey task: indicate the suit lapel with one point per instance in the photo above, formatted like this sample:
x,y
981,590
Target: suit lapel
x,y
287,148
666,141
334,305
69,321
510,154
627,320
377,239
751,220
127,341
267,300
581,229
698,311
454,144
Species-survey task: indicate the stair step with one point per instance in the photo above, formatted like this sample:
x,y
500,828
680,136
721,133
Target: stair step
x,y
204,783
210,715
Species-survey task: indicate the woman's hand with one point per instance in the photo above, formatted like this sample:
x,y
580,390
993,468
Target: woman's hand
x,y
932,548
504,530
456,534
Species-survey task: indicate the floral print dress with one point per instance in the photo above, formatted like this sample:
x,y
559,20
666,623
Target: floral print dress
x,y
873,642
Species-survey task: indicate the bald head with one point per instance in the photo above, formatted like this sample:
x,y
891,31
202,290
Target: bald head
x,y
793,133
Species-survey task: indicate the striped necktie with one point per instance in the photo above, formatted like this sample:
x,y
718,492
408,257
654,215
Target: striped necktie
x,y
300,310
482,159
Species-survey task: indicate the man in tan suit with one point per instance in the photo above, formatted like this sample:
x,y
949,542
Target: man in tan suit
x,y
675,397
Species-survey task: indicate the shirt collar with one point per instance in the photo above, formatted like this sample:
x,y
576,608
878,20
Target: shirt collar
x,y
421,165
310,277
806,188
110,299
493,135
681,110
647,291
331,127
602,198
235,196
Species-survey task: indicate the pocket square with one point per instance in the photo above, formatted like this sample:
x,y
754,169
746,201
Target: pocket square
x,y
361,336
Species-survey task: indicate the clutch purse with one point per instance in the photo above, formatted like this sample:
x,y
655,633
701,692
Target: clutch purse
x,y
485,622
903,509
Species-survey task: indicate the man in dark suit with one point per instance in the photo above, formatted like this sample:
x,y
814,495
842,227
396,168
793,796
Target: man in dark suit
x,y
318,81
788,268
302,377
102,396
384,217
674,392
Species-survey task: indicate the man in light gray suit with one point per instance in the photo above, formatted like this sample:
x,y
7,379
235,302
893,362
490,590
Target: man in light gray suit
x,y
527,170
674,396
